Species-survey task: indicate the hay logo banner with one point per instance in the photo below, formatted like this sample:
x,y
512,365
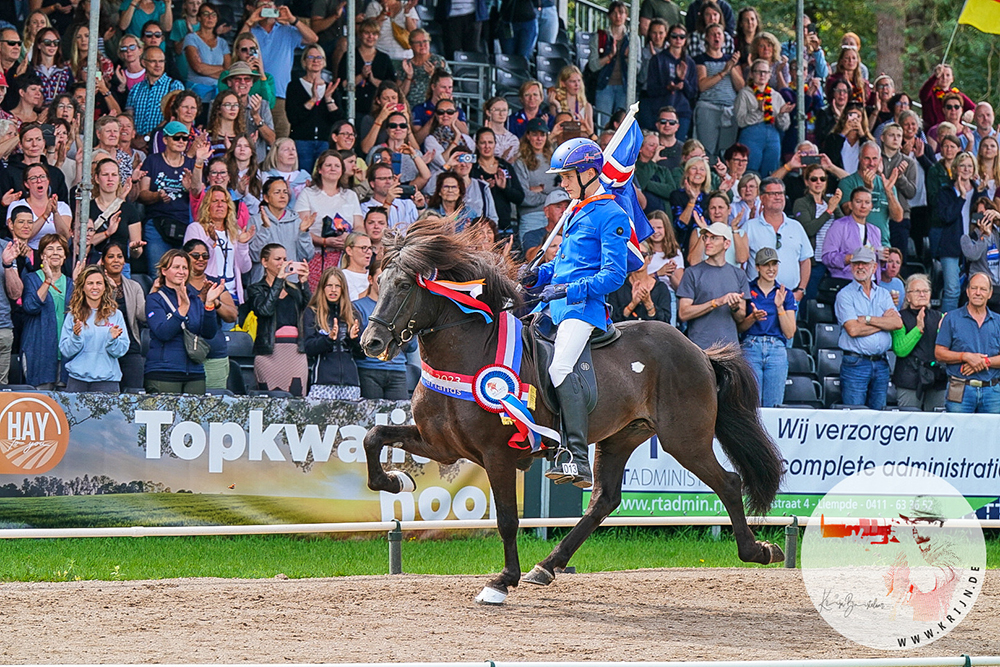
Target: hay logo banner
x,y
34,434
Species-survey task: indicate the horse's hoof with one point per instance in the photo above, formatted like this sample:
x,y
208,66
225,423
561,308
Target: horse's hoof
x,y
777,555
491,596
406,483
539,576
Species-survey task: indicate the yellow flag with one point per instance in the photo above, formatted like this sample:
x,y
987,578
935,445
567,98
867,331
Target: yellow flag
x,y
982,14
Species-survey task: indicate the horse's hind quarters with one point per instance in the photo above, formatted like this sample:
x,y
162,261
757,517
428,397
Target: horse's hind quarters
x,y
539,576
490,596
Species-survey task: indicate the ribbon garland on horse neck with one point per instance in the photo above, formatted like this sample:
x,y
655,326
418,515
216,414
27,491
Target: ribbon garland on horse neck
x,y
497,388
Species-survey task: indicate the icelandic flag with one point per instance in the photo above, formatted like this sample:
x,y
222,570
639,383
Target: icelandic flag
x,y
619,167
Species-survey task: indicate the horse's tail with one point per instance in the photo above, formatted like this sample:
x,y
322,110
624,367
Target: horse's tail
x,y
738,428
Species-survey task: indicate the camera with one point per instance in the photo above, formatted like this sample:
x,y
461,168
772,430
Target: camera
x,y
810,159
254,52
466,158
407,191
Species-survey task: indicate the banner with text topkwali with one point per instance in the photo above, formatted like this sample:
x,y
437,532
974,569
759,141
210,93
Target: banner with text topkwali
x,y
112,460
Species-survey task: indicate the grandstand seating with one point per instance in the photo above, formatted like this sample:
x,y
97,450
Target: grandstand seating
x,y
800,363
828,362
554,51
801,390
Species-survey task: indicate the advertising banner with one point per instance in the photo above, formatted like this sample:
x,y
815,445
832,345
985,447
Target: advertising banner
x,y
822,447
70,460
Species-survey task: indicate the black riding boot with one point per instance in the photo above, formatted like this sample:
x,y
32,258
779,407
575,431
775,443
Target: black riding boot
x,y
572,463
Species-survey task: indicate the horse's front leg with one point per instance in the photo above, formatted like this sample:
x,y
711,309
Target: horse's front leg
x,y
378,437
503,481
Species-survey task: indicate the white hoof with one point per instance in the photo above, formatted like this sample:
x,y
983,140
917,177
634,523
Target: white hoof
x,y
406,483
491,596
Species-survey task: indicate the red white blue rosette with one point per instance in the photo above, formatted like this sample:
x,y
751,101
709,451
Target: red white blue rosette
x,y
492,384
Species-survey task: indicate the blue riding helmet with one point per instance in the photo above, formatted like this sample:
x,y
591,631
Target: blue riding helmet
x,y
576,155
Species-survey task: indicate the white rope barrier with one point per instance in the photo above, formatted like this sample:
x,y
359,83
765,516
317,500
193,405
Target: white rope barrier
x,y
406,526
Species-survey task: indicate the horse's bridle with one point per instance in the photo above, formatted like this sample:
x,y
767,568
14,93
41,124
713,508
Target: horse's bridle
x,y
406,335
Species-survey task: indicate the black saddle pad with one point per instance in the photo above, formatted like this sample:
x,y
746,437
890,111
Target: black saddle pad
x,y
539,336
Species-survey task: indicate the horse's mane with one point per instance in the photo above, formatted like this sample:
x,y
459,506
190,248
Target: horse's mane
x,y
432,243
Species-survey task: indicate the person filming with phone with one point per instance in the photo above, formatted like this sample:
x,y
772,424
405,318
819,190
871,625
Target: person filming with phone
x,y
280,361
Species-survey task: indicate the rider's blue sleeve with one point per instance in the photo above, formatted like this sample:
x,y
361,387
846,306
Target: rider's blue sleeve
x,y
545,272
614,232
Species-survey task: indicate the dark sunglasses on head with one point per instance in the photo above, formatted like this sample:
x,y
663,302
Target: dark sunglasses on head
x,y
396,126
50,42
446,112
151,34
198,255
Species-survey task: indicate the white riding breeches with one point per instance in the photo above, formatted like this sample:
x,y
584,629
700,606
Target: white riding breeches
x,y
571,337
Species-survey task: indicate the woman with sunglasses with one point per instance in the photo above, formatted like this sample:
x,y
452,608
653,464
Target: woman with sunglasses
x,y
673,79
131,71
815,211
49,65
371,127
207,56
131,302
162,191
136,13
762,116
444,135
940,83
311,107
413,170
217,362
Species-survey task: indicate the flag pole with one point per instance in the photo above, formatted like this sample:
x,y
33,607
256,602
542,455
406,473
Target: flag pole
x,y
951,41
619,135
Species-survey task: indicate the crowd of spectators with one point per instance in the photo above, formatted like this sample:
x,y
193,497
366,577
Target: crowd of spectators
x,y
232,193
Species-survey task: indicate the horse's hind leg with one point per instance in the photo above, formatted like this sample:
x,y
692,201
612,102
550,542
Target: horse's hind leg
x,y
701,461
609,465
378,437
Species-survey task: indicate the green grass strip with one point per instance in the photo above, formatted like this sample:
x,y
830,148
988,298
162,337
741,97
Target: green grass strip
x,y
264,556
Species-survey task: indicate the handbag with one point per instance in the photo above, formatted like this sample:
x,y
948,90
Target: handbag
x,y
172,231
196,346
400,34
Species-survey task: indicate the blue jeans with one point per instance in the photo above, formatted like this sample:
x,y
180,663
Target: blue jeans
x,y
309,152
764,143
951,269
768,357
977,399
609,99
156,246
523,41
819,271
864,382
548,24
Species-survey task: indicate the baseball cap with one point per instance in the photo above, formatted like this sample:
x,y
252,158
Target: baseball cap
x,y
174,127
765,256
719,229
537,125
863,254
557,196
240,68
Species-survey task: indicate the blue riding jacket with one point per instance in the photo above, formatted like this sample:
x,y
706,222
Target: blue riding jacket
x,y
591,262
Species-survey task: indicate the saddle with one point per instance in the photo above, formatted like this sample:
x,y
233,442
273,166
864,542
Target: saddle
x,y
539,336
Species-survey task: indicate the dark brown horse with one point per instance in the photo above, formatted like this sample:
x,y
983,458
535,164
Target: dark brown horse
x,y
678,392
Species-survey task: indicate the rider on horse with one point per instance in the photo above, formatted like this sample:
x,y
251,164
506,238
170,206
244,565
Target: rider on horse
x,y
590,264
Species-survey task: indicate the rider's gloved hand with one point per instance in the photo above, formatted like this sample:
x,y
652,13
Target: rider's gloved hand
x,y
553,292
527,276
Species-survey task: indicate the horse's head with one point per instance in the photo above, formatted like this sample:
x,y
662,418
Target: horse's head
x,y
402,310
